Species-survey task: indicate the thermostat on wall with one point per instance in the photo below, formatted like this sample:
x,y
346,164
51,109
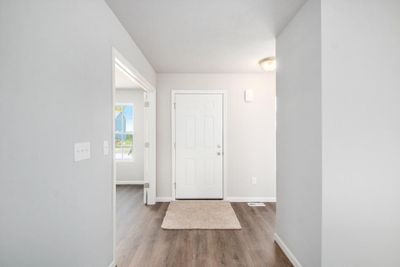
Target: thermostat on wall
x,y
248,95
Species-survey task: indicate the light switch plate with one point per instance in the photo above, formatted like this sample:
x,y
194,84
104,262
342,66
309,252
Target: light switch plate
x,y
248,95
254,180
81,151
106,148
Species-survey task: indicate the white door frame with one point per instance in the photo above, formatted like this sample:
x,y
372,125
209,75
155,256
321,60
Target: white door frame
x,y
224,135
150,134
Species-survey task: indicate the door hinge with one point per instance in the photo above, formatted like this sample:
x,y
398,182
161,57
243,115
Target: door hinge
x,y
146,104
174,105
146,144
174,145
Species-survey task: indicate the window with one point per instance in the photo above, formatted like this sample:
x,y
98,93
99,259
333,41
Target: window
x,y
123,116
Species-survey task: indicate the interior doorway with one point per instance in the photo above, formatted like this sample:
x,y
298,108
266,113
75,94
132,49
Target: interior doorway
x,y
198,125
134,133
129,130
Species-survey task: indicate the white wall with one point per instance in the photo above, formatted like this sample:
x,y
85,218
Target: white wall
x,y
55,90
299,150
251,130
361,126
357,99
133,170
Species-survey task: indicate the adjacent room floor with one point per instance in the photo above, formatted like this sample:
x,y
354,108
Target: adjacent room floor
x,y
142,242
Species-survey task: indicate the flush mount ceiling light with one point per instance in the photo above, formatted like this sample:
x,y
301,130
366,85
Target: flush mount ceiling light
x,y
268,64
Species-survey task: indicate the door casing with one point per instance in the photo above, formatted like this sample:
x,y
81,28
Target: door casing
x,y
225,132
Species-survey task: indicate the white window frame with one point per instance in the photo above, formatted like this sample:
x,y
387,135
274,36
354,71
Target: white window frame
x,y
132,133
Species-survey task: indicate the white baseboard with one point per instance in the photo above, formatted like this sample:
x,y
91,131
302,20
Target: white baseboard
x,y
231,199
251,199
287,251
129,182
112,264
163,199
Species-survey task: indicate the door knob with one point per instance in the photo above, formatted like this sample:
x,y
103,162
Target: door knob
x,y
219,153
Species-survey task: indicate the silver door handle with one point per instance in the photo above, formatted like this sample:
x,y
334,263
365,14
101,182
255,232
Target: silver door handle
x,y
219,153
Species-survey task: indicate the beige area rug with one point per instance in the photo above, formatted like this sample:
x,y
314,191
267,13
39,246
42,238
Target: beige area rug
x,y
200,214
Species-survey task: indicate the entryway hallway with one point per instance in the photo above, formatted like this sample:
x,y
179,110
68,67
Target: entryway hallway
x,y
142,242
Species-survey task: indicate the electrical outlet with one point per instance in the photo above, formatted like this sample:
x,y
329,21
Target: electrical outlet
x,y
254,180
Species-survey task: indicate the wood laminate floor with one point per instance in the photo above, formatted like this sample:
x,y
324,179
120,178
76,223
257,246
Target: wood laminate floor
x,y
142,242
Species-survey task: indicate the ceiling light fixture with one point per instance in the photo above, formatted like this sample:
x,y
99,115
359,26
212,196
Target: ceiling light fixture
x,y
268,64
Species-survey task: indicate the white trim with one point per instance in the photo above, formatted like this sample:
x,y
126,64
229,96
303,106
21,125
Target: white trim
x,y
225,132
173,143
251,199
225,141
114,164
287,251
164,199
132,73
112,264
129,182
125,160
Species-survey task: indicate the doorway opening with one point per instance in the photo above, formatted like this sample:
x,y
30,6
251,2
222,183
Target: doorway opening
x,y
134,138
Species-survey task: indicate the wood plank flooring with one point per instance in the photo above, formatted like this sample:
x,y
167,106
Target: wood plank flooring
x,y
142,242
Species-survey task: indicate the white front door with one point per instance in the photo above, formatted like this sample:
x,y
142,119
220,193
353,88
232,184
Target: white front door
x,y
199,146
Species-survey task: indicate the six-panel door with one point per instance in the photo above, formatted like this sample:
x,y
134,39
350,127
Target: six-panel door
x,y
199,146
